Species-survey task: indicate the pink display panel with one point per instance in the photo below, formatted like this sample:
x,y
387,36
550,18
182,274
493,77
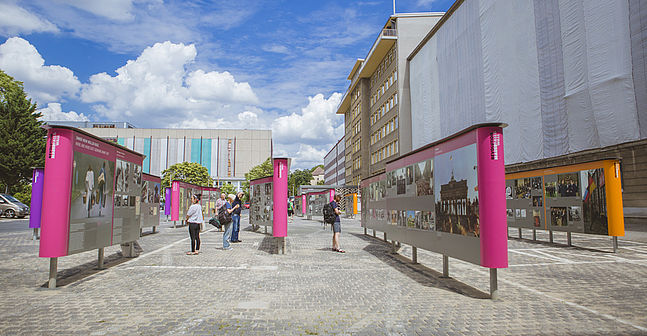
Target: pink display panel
x,y
181,193
36,205
280,196
304,204
91,193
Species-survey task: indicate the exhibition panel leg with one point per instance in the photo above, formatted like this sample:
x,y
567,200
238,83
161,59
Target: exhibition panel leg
x,y
568,239
520,236
393,247
445,266
365,232
35,234
615,244
550,236
414,254
265,229
100,258
534,234
494,287
373,232
53,268
154,228
385,236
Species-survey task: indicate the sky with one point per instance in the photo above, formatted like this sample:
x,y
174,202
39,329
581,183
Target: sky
x,y
246,64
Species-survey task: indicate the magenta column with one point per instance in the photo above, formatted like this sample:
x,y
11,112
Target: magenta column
x,y
280,197
332,195
175,201
167,201
492,202
304,205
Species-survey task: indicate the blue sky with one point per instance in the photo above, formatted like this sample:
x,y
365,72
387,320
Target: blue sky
x,y
279,65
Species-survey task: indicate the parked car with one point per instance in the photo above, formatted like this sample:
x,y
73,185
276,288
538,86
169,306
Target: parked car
x,y
11,207
246,205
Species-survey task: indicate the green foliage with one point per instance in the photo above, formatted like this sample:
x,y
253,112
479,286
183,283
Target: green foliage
x,y
321,182
262,170
228,188
22,140
298,178
23,194
190,172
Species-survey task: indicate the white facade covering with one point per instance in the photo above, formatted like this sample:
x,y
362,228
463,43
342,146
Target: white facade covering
x,y
558,72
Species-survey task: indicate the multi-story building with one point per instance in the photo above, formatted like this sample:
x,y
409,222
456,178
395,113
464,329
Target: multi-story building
x,y
227,153
372,106
334,165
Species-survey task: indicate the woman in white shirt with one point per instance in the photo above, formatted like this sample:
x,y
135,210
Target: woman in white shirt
x,y
194,218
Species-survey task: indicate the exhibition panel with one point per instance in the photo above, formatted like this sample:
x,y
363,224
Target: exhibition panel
x,y
150,205
91,193
445,197
181,193
261,201
583,198
269,197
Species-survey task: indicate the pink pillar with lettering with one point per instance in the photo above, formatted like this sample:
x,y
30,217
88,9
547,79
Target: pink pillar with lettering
x,y
304,205
175,201
332,195
280,196
492,202
55,225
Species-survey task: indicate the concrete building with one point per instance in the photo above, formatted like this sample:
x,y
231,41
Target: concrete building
x,y
317,176
334,165
227,154
372,106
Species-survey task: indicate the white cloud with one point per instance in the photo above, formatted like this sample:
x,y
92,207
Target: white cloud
x,y
16,20
53,112
117,10
316,124
425,2
276,48
44,83
157,89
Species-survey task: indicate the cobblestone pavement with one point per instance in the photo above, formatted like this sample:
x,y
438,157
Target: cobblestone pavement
x,y
549,289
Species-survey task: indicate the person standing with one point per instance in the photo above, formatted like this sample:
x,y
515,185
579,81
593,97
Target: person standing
x,y
219,203
290,209
194,218
226,224
336,227
235,217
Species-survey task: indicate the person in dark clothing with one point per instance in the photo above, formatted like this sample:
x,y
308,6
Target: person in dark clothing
x,y
336,227
235,217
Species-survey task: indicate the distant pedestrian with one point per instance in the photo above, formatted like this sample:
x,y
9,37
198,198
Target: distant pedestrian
x,y
219,203
225,217
194,218
336,227
290,210
235,217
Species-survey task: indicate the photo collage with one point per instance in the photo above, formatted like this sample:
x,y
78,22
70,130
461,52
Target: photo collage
x,y
564,201
525,202
261,204
128,181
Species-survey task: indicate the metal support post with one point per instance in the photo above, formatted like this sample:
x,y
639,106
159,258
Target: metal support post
x,y
534,234
615,244
365,231
174,224
414,254
53,268
445,266
265,229
520,236
384,236
100,258
141,232
494,287
568,239
550,236
132,249
35,234
373,232
154,227
283,245
393,247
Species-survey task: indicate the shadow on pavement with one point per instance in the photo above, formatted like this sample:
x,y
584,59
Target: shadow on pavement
x,y
74,276
418,272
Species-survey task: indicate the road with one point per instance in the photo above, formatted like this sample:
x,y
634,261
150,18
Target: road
x,y
14,225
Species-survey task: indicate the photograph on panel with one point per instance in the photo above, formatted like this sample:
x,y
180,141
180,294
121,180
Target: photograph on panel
x,y
594,205
424,178
558,216
92,188
568,185
522,188
456,192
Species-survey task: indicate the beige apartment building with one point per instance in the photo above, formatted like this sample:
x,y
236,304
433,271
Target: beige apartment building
x,y
373,106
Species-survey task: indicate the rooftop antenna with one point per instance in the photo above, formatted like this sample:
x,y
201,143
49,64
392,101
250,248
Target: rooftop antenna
x,y
393,7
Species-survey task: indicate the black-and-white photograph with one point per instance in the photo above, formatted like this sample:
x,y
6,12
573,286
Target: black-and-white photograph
x,y
424,178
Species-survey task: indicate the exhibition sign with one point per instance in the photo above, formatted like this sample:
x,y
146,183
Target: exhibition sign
x,y
582,198
91,193
317,200
181,193
445,197
35,207
298,205
351,204
261,201
150,205
269,197
167,201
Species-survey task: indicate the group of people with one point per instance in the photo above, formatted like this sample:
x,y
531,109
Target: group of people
x,y
231,204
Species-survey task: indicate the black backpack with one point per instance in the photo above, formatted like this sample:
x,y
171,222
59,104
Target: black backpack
x,y
329,213
224,217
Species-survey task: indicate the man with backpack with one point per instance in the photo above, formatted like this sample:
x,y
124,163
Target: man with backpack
x,y
331,214
224,217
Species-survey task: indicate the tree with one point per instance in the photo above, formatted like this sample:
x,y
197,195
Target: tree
x,y
228,188
22,140
264,169
298,178
191,172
